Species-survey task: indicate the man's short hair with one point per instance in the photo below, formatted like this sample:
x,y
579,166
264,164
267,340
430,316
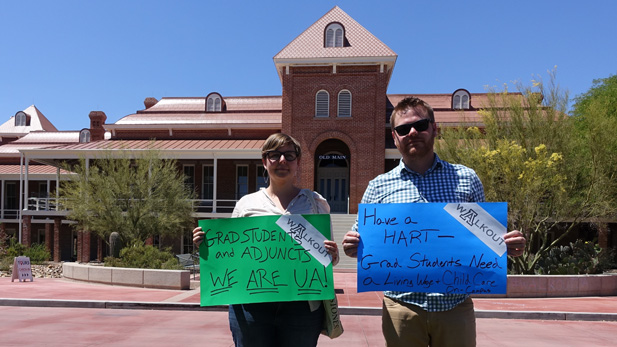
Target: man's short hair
x,y
411,102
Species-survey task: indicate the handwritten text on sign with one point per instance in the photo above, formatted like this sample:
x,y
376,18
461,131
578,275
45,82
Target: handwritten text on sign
x,y
433,247
265,259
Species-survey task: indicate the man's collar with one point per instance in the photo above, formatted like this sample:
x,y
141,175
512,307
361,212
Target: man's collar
x,y
437,163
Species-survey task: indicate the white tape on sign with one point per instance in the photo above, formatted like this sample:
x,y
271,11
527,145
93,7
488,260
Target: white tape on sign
x,y
480,223
306,235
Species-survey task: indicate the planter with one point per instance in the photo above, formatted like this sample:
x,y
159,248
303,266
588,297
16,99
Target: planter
x,y
145,278
540,286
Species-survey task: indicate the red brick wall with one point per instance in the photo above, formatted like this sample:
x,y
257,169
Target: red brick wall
x,y
363,133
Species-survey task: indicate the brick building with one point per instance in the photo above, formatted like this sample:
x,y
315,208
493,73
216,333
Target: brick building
x,y
334,78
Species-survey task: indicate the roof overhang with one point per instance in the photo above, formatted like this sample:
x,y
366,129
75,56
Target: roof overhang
x,y
386,63
193,126
53,157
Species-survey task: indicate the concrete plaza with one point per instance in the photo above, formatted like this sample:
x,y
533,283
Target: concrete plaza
x,y
56,312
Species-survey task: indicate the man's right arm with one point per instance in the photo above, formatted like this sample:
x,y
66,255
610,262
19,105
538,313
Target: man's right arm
x,y
352,237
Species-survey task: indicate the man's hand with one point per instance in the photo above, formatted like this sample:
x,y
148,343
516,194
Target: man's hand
x,y
515,241
350,244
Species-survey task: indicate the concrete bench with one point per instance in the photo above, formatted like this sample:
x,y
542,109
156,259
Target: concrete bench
x,y
145,278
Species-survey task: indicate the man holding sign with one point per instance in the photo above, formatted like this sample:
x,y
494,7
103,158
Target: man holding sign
x,y
423,319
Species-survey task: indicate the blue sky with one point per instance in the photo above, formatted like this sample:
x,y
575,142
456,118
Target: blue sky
x,y
72,57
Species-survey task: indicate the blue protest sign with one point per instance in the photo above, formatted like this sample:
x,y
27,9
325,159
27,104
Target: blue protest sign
x,y
452,248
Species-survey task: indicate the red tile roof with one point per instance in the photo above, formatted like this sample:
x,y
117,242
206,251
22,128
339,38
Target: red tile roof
x,y
32,170
49,137
12,150
310,44
202,118
440,101
37,122
191,111
166,145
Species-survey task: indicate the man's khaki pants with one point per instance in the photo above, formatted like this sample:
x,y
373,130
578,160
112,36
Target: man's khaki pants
x,y
409,325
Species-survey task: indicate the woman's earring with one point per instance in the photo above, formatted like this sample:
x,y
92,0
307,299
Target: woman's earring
x,y
265,175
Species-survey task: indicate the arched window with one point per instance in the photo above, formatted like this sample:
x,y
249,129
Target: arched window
x,y
461,100
334,35
84,136
213,103
20,119
344,103
322,104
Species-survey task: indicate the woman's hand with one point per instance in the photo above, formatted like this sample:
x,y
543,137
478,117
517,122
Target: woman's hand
x,y
332,248
198,236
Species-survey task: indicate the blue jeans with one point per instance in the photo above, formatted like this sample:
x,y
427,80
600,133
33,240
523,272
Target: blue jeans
x,y
272,324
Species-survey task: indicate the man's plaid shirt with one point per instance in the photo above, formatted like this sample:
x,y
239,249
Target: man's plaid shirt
x,y
443,182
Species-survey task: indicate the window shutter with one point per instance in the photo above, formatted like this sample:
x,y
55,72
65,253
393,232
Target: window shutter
x,y
457,102
344,104
465,102
329,38
322,104
339,38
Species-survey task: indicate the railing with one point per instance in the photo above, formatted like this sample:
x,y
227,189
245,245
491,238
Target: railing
x,y
9,213
55,204
44,204
213,206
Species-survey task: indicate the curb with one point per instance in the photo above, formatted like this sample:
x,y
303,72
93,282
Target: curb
x,y
343,310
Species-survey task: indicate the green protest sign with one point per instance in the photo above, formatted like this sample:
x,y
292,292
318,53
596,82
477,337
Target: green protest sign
x,y
265,259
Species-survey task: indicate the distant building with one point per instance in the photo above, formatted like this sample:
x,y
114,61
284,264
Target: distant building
x,y
334,100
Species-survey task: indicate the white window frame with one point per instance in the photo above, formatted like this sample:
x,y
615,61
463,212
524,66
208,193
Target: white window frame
x,y
322,110
21,119
189,180
461,100
213,104
84,136
334,35
344,106
205,184
260,175
246,167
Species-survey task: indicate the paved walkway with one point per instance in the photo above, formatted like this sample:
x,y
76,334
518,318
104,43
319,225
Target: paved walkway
x,y
62,292
535,322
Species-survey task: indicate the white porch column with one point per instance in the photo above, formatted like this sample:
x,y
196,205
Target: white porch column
x,y
215,184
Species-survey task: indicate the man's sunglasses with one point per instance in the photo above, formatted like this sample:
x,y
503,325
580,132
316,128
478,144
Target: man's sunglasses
x,y
276,155
420,126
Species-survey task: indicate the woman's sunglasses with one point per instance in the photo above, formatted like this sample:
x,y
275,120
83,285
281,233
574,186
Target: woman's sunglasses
x,y
420,126
276,155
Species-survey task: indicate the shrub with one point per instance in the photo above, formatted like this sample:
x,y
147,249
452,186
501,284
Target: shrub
x,y
144,257
37,253
6,264
580,257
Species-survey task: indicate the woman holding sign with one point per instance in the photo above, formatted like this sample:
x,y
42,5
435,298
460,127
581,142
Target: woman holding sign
x,y
291,323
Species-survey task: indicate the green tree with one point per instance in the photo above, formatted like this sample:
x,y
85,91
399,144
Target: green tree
x,y
528,155
595,113
138,196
